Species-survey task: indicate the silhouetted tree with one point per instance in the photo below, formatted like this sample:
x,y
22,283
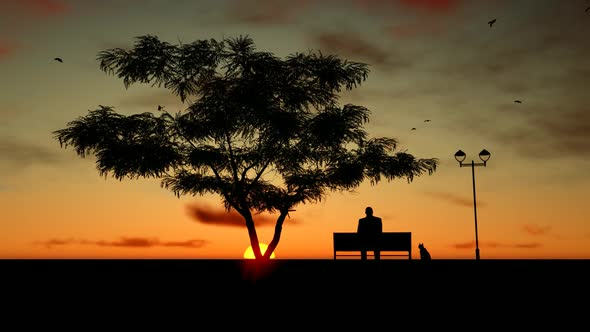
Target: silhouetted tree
x,y
264,133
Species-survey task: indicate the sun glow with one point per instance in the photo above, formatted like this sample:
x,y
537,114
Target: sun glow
x,y
249,253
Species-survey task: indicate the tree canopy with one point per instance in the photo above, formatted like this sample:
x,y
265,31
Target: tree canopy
x,y
264,133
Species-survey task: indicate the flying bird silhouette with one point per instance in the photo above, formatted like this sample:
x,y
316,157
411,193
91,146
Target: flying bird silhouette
x,y
492,22
160,108
426,120
413,129
58,59
518,101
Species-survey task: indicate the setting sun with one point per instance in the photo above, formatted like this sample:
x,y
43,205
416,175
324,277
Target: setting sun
x,y
249,253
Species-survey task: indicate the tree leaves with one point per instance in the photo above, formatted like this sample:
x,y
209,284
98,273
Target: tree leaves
x,y
264,133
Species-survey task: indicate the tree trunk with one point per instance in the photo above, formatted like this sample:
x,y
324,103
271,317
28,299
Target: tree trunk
x,y
276,236
254,243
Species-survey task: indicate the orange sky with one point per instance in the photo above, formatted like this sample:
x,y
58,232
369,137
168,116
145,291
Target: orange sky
x,y
436,60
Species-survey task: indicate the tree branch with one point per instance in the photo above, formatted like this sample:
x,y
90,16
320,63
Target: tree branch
x,y
232,160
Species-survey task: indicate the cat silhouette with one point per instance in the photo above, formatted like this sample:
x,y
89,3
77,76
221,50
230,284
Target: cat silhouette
x,y
424,254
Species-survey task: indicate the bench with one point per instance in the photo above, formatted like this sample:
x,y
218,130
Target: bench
x,y
391,244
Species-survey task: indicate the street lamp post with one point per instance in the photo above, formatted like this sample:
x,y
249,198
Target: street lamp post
x,y
484,155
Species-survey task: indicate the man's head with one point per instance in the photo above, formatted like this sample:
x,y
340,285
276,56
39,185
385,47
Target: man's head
x,y
369,211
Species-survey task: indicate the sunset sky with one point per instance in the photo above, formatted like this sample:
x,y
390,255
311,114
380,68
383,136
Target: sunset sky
x,y
429,59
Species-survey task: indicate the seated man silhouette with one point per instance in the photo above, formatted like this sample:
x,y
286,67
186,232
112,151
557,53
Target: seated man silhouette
x,y
369,230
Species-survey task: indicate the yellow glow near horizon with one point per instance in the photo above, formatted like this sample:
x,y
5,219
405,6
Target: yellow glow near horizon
x,y
249,253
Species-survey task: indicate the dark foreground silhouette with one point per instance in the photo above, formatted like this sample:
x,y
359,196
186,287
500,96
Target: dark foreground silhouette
x,y
424,253
449,293
344,274
369,229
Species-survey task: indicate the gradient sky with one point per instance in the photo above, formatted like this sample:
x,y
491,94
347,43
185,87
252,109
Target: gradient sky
x,y
429,59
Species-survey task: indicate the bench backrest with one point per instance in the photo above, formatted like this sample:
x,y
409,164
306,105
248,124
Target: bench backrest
x,y
389,241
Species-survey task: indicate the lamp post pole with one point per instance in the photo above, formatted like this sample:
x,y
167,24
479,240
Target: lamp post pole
x,y
475,211
484,155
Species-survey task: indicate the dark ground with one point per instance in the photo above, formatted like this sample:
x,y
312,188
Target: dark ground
x,y
531,290
348,275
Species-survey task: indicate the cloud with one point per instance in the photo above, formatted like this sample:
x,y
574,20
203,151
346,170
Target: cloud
x,y
551,67
36,8
492,244
536,230
220,217
542,231
550,132
7,48
20,154
127,242
454,199
56,242
413,29
11,111
354,47
288,11
544,65
430,6
414,18
472,76
268,11
21,15
570,131
350,45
